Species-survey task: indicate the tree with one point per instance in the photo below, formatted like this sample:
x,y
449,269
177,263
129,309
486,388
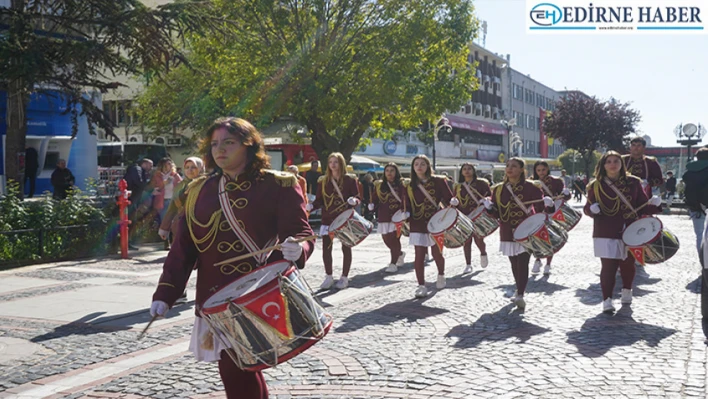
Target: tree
x,y
336,67
77,47
566,161
586,124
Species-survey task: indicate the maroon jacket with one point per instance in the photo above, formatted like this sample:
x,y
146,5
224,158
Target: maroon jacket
x,y
385,202
467,203
268,206
508,211
329,200
615,215
420,207
646,168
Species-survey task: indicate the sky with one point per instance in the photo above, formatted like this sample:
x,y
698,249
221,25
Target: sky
x,y
663,76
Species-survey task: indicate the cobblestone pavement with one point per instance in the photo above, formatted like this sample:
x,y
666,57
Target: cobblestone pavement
x,y
464,341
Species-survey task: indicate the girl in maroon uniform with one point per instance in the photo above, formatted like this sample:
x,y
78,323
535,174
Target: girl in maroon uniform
x,y
552,186
388,197
471,191
608,196
425,193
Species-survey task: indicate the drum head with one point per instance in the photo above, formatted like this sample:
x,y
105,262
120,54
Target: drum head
x,y
398,217
642,231
341,219
442,220
530,225
558,203
476,212
247,284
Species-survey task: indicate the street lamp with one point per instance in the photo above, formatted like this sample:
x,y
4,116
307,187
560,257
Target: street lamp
x,y
442,123
509,125
688,135
575,158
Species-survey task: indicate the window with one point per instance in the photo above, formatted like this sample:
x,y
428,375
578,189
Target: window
x,y
518,92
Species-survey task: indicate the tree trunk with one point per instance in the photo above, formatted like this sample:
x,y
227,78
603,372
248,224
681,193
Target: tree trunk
x,y
588,154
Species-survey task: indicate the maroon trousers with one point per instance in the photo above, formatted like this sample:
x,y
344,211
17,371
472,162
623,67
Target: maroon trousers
x,y
240,384
393,242
420,262
609,271
467,248
520,270
327,256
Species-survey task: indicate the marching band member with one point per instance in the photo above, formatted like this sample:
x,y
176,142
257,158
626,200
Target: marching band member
x,y
609,197
470,191
425,192
553,187
644,167
507,204
336,192
388,197
239,209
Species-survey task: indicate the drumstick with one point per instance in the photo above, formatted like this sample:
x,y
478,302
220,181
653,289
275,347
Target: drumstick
x,y
264,250
541,200
142,334
581,191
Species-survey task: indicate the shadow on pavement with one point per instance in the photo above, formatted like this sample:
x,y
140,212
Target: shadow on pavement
x,y
603,332
536,285
410,311
501,325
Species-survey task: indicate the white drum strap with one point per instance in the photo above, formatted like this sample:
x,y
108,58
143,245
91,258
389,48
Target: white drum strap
x,y
469,191
247,241
395,194
545,187
427,195
620,195
336,187
516,199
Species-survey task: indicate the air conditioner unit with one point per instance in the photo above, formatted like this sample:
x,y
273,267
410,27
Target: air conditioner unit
x,y
174,142
136,138
159,140
133,140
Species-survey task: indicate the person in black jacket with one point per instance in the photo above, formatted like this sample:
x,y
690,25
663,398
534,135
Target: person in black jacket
x,y
311,177
137,177
670,188
62,180
31,168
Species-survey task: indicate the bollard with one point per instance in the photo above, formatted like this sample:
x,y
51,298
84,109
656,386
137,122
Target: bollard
x,y
123,203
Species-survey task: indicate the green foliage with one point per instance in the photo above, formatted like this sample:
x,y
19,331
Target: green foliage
x,y
47,215
337,67
566,161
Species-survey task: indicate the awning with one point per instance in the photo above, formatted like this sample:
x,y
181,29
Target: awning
x,y
475,125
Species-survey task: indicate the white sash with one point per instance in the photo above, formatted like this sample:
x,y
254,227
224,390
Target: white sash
x,y
469,191
427,195
619,194
545,187
516,199
395,194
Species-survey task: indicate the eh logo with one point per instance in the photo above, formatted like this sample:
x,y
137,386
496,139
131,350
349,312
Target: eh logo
x,y
546,14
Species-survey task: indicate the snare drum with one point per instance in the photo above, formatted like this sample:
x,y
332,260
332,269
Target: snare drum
x,y
400,219
649,241
565,215
540,235
266,317
350,227
452,225
484,223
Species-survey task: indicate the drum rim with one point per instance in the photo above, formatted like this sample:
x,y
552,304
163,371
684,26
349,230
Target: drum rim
x,y
527,218
483,210
661,229
457,217
352,212
396,213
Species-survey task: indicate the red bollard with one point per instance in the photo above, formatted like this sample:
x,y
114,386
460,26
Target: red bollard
x,y
123,203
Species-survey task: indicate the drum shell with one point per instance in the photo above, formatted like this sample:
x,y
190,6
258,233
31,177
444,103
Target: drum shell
x,y
484,223
353,230
457,233
659,248
541,248
405,226
572,217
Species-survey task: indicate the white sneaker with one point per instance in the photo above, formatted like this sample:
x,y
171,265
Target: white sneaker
x,y
441,283
519,302
391,268
547,270
401,259
483,261
513,297
327,283
343,283
421,292
626,296
468,269
607,306
536,267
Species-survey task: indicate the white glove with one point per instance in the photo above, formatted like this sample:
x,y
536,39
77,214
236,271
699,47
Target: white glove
x,y
371,207
308,207
158,308
548,202
454,201
595,208
655,200
408,215
291,250
487,203
644,183
163,233
353,201
565,191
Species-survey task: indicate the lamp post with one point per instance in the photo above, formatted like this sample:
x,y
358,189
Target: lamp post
x,y
512,137
575,158
442,123
689,134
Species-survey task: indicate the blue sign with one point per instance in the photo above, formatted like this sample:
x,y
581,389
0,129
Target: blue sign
x,y
389,147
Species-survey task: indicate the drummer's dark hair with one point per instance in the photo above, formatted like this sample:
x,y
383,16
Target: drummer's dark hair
x,y
396,179
522,165
600,172
461,179
544,163
256,158
428,173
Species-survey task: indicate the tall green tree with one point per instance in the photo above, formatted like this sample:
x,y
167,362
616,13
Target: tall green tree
x,y
574,162
75,47
337,67
586,124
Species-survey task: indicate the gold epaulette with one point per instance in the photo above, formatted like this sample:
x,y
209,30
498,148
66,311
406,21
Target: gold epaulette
x,y
378,183
440,176
192,191
631,176
497,185
352,175
651,157
284,179
199,181
406,182
536,183
590,184
321,179
482,179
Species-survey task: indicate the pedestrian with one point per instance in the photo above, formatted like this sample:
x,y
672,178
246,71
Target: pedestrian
x,y
507,204
567,180
609,196
470,191
388,197
300,180
312,176
670,188
137,177
336,191
31,169
695,180
269,206
164,181
644,167
367,183
424,194
553,187
62,180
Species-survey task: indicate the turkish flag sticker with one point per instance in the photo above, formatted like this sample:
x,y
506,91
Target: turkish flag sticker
x,y
543,234
272,308
558,216
638,253
440,240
